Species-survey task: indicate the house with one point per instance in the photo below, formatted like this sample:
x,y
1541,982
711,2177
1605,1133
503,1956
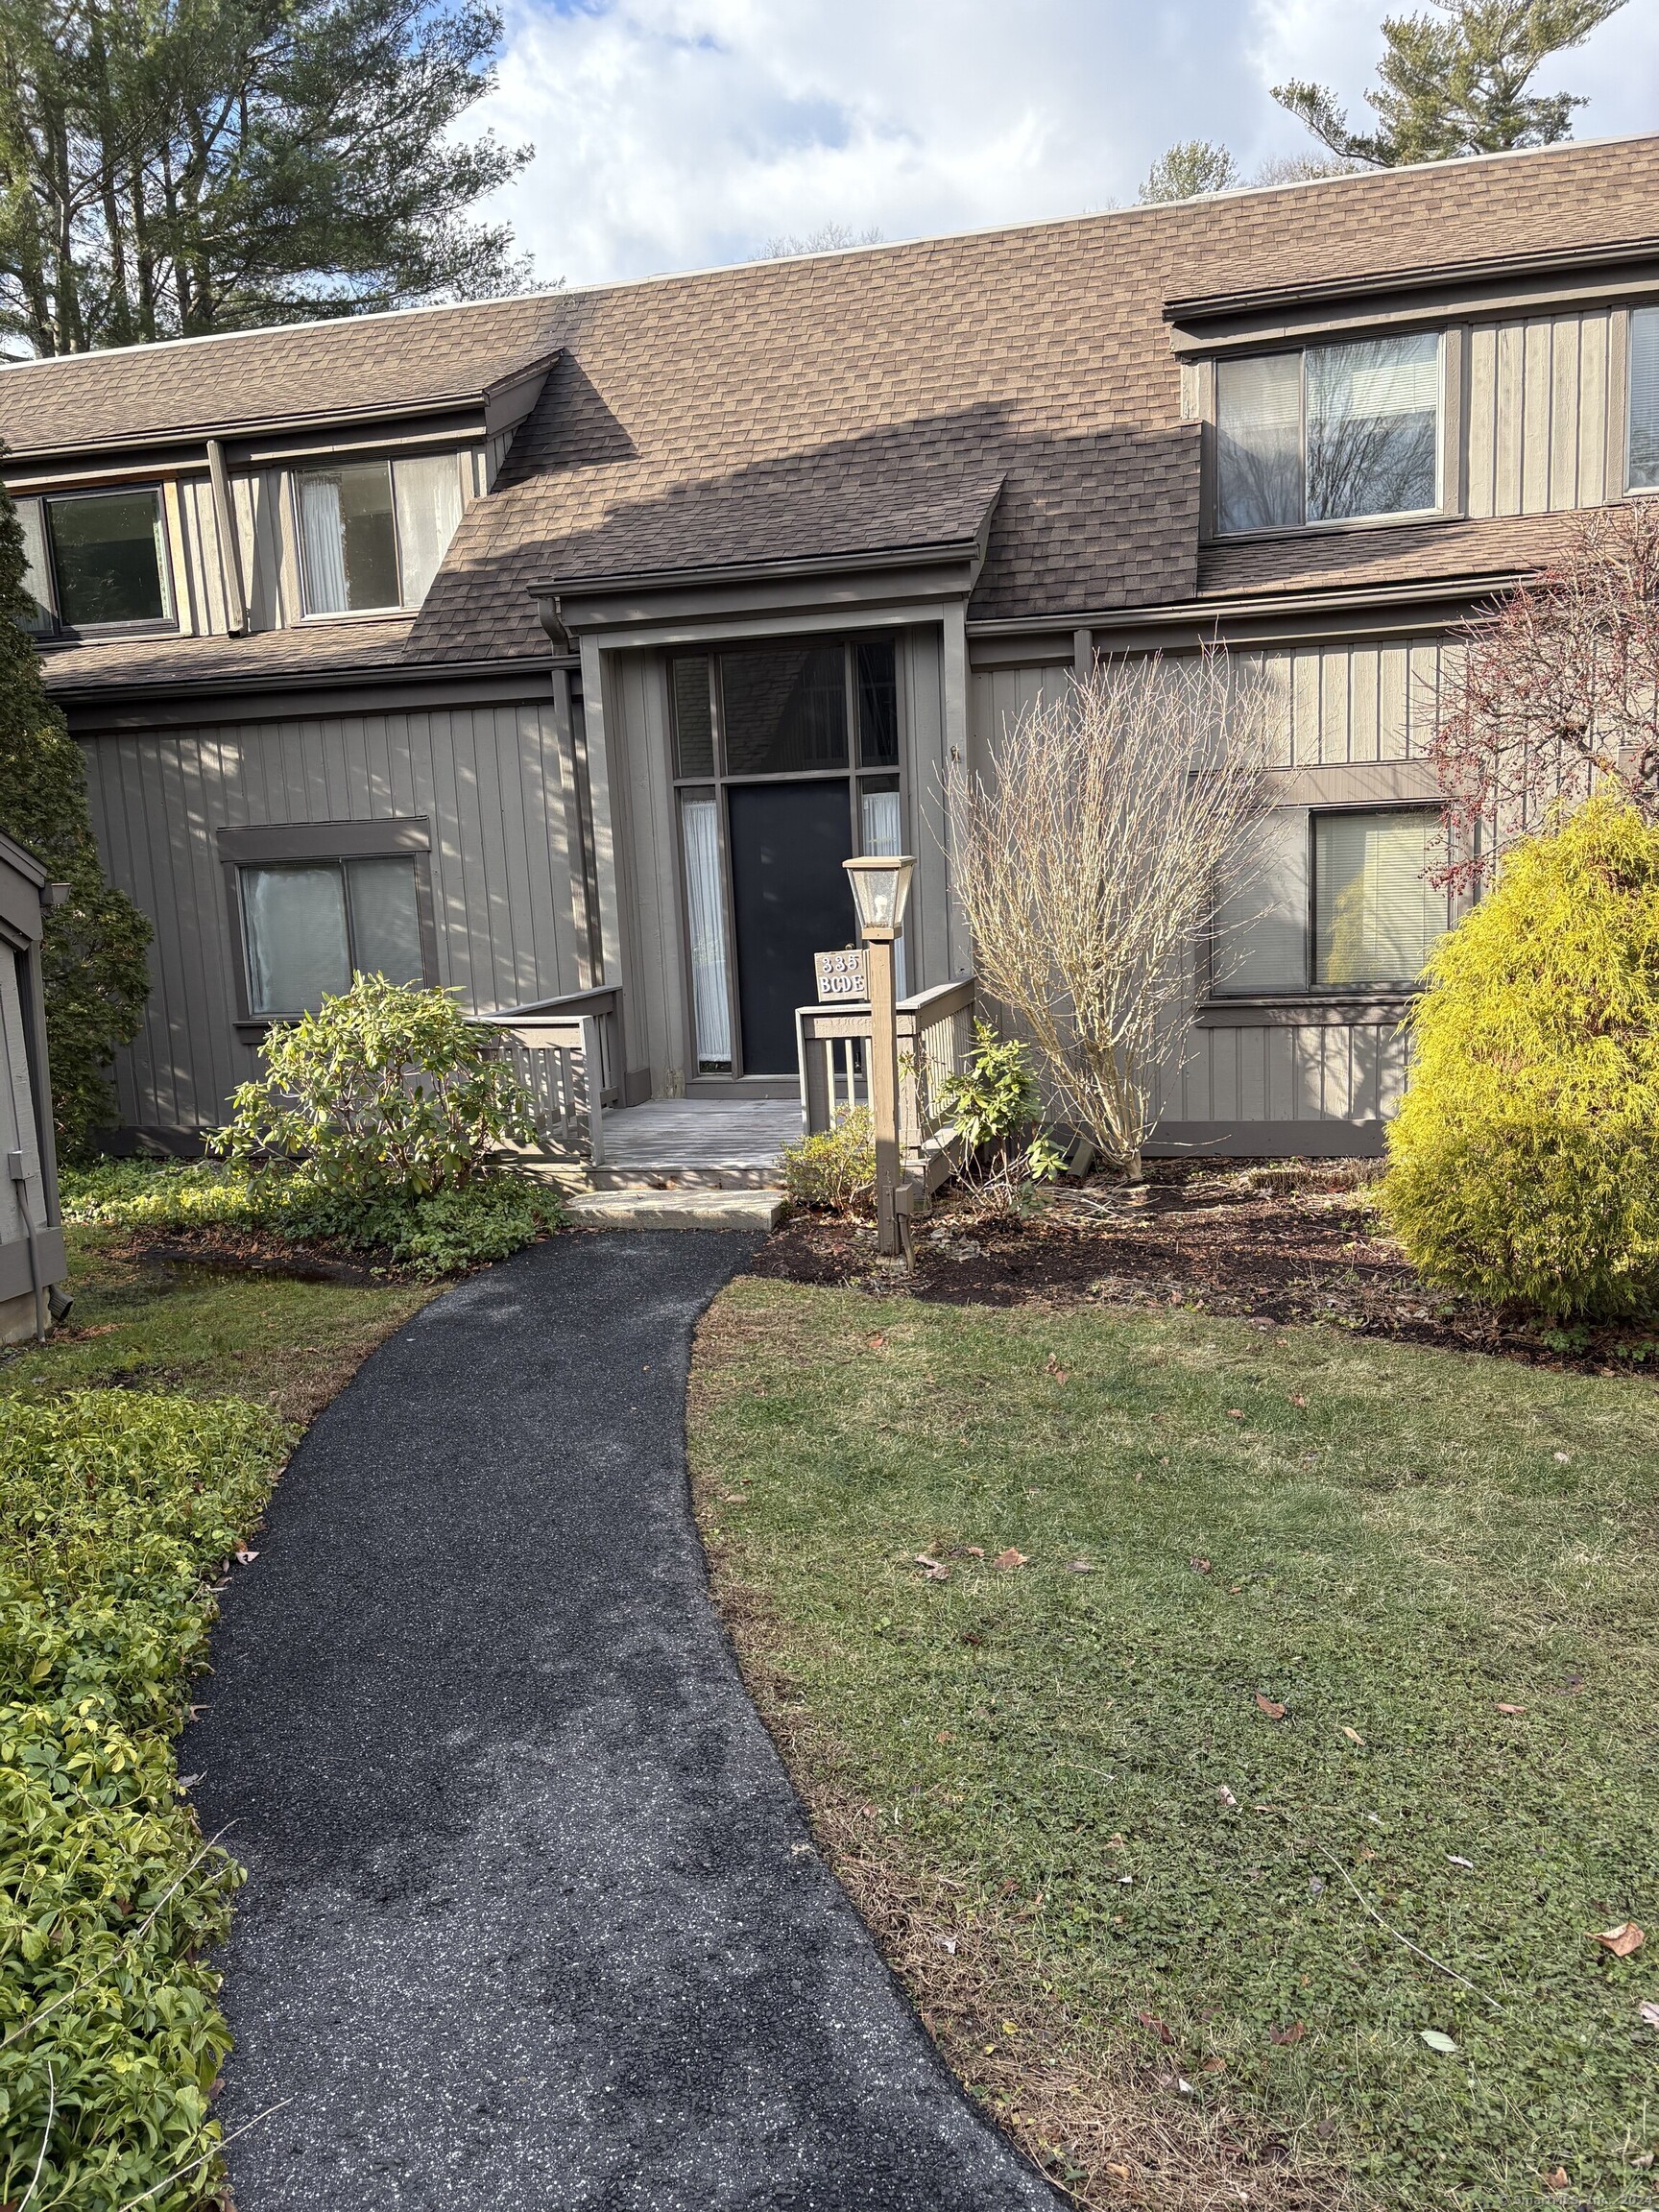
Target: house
x,y
33,1267
568,644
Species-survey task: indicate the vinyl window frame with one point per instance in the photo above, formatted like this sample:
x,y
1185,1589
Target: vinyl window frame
x,y
1313,1004
1450,444
165,624
271,845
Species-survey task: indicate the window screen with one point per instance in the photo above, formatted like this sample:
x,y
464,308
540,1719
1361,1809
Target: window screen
x,y
1332,434
1645,399
350,539
693,727
109,558
1375,918
426,494
36,568
785,710
311,923
1259,940
1373,428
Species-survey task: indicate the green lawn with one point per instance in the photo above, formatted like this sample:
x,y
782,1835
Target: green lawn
x,y
1188,1930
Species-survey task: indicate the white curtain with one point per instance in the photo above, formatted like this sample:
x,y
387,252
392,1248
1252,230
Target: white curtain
x,y
710,1000
324,529
427,494
883,841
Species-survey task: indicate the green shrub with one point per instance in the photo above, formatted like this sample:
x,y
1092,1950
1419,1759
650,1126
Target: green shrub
x,y
431,1232
836,1168
1525,1159
115,1510
385,1087
995,1107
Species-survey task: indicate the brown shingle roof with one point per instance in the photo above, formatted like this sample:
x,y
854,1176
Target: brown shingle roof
x,y
310,647
314,371
787,406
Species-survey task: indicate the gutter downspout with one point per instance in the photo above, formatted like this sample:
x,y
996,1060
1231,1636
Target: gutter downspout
x,y
231,544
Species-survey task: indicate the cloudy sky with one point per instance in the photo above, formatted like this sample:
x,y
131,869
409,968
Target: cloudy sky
x,y
677,133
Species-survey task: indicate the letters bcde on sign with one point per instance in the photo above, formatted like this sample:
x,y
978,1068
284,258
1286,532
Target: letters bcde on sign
x,y
840,975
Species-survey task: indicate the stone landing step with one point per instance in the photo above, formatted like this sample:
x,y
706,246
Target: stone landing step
x,y
683,1209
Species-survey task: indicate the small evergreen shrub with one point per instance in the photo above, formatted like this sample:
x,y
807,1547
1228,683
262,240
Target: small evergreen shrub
x,y
385,1087
995,1107
114,1514
1524,1158
833,1170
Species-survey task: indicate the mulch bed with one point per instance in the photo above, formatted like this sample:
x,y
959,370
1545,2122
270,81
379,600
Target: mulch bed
x,y
1273,1243
233,1252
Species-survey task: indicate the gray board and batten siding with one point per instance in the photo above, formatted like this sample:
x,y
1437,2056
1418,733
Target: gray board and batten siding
x,y
31,1233
485,781
1353,724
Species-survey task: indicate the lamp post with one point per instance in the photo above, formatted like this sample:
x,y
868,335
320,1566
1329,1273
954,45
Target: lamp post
x,y
879,889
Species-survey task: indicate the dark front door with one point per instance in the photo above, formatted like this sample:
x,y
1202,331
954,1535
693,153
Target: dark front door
x,y
789,900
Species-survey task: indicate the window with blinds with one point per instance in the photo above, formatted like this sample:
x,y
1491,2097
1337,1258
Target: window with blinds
x,y
1643,473
1332,901
1330,434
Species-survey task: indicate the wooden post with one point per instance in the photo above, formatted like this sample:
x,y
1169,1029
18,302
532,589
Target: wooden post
x,y
884,1091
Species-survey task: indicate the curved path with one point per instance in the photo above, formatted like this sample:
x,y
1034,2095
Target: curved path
x,y
533,1918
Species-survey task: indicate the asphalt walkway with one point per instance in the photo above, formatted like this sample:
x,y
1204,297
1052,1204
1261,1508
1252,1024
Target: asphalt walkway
x,y
533,1917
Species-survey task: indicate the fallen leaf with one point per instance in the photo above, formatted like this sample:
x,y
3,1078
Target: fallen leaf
x,y
1079,1567
946,1943
1235,1412
1213,2066
932,1569
1648,2013
877,1343
1622,1940
1054,1368
1292,2034
1436,2041
1563,1458
1158,2027
1511,1708
1273,1712
1298,1399
1353,1735
1010,1558
244,1556
1457,1859
1226,1795
973,1550
1199,1566
1556,2178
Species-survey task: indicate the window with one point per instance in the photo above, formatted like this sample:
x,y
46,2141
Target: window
x,y
783,710
310,925
36,566
99,558
1336,901
1335,434
1643,473
373,533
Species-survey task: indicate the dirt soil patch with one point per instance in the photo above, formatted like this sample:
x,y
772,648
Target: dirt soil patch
x,y
1272,1242
239,1252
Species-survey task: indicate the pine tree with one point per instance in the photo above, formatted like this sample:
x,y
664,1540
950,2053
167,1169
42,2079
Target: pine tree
x,y
1456,83
172,167
92,951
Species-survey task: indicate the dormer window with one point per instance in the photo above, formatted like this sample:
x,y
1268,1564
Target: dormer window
x,y
96,560
1329,434
373,533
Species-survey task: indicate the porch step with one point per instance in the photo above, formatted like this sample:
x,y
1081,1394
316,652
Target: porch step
x,y
640,1207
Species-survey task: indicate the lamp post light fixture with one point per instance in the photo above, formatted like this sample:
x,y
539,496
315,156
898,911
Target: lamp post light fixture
x,y
881,888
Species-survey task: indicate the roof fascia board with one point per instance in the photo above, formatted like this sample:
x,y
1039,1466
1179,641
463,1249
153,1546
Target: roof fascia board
x,y
704,600
511,399
1259,618
1436,297
727,629
112,710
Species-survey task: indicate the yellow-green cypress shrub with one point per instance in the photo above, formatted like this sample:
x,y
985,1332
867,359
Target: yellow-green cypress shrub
x,y
1525,1159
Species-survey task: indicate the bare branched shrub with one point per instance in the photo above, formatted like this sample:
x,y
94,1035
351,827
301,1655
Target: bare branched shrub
x,y
1554,693
1089,865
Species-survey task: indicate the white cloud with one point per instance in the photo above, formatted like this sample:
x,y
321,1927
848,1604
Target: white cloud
x,y
673,134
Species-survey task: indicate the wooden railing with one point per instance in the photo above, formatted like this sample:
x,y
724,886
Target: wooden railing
x,y
935,1037
564,1051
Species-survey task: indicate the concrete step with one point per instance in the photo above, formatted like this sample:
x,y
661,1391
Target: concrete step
x,y
641,1208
